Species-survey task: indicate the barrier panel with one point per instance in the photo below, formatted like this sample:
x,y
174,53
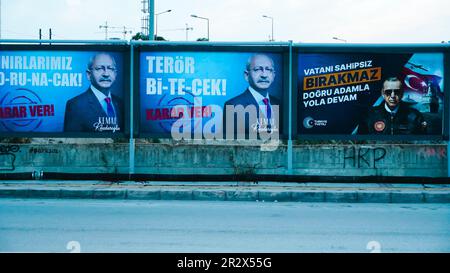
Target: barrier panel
x,y
193,91
371,92
250,104
64,90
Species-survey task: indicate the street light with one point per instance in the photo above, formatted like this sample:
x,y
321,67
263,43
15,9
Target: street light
x,y
195,16
271,18
342,40
156,23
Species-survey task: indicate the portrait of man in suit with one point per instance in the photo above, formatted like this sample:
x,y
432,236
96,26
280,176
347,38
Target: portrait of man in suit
x,y
96,109
255,110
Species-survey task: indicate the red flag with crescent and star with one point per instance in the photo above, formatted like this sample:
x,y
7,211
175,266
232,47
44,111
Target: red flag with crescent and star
x,y
416,82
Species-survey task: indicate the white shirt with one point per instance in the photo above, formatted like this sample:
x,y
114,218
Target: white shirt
x,y
259,99
392,112
101,98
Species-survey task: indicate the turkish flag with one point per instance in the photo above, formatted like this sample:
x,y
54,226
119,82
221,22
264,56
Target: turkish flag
x,y
418,83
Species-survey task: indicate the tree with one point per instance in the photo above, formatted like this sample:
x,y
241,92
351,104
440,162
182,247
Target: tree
x,y
140,36
159,38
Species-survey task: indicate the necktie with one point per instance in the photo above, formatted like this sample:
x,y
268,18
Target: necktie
x,y
268,109
269,113
109,108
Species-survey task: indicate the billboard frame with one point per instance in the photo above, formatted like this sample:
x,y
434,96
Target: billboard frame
x,y
226,47
79,46
444,49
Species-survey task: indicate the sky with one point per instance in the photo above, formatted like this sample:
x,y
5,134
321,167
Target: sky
x,y
305,21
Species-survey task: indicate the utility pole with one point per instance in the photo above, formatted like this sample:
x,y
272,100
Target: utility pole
x,y
271,18
125,31
151,20
187,31
106,29
49,34
148,19
145,17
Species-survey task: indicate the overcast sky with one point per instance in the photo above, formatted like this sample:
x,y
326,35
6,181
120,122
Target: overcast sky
x,y
309,21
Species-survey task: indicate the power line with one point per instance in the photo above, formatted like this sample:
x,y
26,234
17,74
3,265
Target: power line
x,y
105,26
125,30
59,37
187,28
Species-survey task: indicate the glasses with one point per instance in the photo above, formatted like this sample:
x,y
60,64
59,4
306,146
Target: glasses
x,y
396,92
260,69
100,69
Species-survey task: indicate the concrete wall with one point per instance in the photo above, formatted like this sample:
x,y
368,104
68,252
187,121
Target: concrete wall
x,y
328,160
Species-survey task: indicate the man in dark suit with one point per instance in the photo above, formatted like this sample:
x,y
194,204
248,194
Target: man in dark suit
x,y
254,111
393,116
96,110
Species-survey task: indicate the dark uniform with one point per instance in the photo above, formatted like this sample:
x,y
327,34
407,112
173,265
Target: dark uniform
x,y
407,121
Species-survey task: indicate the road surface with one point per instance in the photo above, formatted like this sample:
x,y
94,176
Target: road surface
x,y
61,225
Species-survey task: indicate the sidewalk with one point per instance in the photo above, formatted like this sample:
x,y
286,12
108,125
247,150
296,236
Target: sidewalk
x,y
230,191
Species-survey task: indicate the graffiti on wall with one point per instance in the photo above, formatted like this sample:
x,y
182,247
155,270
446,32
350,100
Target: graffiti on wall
x,y
363,157
8,157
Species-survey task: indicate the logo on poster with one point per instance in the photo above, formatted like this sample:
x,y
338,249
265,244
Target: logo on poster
x,y
379,126
169,109
22,110
309,122
106,124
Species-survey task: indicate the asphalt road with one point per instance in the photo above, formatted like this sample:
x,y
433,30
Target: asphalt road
x,y
33,225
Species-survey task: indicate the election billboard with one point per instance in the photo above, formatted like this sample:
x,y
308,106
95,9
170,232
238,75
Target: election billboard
x,y
370,94
191,93
61,91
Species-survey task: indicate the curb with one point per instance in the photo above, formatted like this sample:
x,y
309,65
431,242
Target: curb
x,y
311,195
341,196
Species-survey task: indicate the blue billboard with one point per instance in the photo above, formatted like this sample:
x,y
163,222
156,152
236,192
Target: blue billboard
x,y
370,93
193,85
56,91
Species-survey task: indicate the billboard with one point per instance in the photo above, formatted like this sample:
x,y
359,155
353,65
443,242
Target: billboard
x,y
190,92
370,94
61,92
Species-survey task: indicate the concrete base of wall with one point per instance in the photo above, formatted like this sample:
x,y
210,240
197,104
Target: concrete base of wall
x,y
380,160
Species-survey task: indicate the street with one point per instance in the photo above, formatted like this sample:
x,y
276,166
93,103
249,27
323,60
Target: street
x,y
62,225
